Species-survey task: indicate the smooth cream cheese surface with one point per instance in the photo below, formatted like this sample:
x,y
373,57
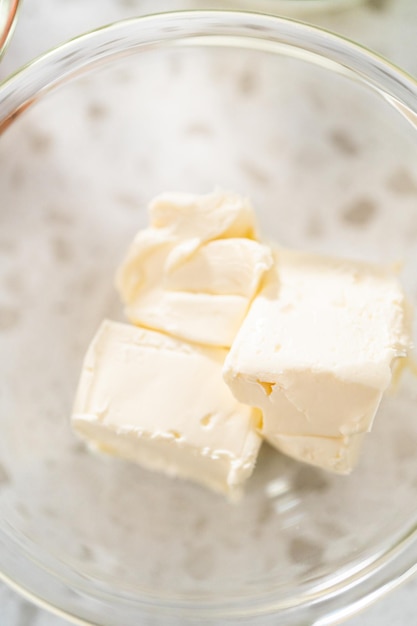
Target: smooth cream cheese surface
x,y
316,350
335,454
195,270
162,403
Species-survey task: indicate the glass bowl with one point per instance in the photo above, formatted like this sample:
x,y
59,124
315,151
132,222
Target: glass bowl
x,y
321,134
8,14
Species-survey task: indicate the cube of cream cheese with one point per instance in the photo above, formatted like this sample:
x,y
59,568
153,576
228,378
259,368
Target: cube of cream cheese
x,y
162,403
316,349
194,272
335,454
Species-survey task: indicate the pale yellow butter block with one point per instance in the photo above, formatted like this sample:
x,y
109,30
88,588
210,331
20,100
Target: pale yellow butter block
x,y
162,403
194,272
335,454
316,350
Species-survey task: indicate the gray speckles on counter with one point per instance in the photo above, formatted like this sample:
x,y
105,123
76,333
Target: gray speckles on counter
x,y
315,227
305,551
344,142
7,246
309,479
4,476
402,182
360,212
9,317
40,142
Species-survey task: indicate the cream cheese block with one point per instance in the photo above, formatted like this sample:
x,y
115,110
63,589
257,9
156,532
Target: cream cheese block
x,y
162,403
335,454
195,270
316,350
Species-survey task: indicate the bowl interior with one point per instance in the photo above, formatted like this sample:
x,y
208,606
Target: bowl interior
x,y
330,167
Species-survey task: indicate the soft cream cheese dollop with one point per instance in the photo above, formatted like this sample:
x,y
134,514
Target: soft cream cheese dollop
x,y
315,353
195,270
162,403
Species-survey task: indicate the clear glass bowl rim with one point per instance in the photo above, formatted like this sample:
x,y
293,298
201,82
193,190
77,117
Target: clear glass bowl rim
x,y
332,600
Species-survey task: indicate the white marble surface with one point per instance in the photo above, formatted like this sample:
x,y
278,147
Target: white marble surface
x,y
388,26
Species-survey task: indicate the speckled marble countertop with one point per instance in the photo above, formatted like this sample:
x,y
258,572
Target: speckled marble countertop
x,y
390,27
